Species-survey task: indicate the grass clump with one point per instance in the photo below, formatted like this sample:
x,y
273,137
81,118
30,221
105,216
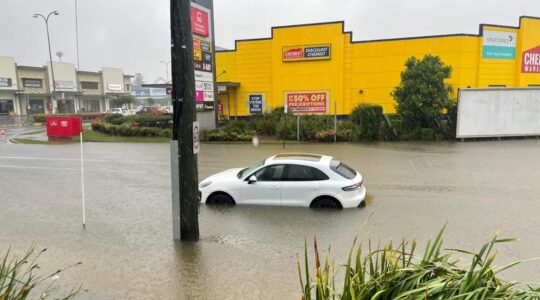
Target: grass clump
x,y
398,273
19,281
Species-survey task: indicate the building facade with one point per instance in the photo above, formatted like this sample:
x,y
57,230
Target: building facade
x,y
322,62
28,90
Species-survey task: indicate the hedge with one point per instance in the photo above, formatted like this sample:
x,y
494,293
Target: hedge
x,y
163,122
125,130
368,117
40,118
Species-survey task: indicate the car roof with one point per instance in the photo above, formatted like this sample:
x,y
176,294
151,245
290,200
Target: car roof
x,y
303,158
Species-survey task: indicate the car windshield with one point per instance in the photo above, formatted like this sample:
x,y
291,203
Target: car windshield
x,y
250,169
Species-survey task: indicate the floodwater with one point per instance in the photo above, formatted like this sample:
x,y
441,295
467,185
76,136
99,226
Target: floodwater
x,y
249,252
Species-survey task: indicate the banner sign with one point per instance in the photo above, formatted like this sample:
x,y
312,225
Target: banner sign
x,y
32,83
199,21
530,62
114,87
303,53
311,102
67,85
5,82
499,44
255,103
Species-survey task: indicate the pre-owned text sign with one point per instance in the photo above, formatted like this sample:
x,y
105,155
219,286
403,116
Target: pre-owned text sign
x,y
310,102
309,52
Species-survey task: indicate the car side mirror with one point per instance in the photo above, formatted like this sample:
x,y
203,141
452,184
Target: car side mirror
x,y
252,179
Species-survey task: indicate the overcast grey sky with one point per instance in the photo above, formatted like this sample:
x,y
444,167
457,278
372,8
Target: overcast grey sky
x,y
134,34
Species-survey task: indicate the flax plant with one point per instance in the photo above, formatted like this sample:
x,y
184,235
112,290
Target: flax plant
x,y
399,273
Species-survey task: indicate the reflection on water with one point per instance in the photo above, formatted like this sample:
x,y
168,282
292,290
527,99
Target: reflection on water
x,y
249,252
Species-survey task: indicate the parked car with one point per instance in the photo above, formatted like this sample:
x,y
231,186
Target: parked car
x,y
118,110
149,110
289,179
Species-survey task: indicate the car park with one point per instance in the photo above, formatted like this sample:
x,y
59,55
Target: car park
x,y
288,179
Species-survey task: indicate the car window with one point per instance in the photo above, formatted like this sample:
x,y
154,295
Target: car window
x,y
304,173
342,169
270,173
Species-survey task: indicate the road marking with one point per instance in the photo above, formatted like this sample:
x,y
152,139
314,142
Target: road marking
x,y
43,168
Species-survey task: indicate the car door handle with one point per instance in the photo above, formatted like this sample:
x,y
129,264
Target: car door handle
x,y
275,187
313,188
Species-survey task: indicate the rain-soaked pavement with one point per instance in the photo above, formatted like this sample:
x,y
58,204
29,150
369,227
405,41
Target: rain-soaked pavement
x,y
248,252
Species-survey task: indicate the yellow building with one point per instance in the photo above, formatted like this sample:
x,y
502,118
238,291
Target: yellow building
x,y
321,61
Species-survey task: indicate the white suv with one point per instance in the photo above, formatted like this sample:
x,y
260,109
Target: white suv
x,y
290,179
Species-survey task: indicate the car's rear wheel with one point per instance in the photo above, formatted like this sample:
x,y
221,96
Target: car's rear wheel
x,y
220,199
325,203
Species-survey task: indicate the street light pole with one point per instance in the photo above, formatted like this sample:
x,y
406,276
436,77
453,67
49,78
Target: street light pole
x,y
166,68
46,19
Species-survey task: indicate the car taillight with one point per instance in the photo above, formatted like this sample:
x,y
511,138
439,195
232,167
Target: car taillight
x,y
353,187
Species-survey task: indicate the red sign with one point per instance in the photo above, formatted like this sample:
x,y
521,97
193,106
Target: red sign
x,y
199,21
530,62
63,126
293,53
307,102
220,108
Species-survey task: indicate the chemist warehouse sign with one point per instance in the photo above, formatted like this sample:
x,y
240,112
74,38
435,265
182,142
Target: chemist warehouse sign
x,y
302,53
530,62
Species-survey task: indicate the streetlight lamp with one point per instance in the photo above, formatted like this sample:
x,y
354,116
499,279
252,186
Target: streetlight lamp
x,y
46,19
167,68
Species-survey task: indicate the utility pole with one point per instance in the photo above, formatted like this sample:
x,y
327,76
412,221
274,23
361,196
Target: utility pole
x,y
186,201
46,19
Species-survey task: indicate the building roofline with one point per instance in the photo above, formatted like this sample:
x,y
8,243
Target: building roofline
x,y
31,67
480,33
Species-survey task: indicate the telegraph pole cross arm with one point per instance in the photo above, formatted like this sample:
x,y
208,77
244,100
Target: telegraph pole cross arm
x,y
186,201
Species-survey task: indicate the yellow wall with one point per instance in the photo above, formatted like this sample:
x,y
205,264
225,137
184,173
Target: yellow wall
x,y
372,67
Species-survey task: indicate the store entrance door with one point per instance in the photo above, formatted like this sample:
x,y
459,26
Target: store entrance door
x,y
6,106
35,107
66,106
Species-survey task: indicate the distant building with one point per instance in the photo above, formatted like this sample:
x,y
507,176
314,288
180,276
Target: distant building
x,y
27,90
319,66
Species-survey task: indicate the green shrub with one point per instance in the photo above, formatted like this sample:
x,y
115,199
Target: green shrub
x,y
128,130
109,118
428,134
368,117
397,271
348,131
391,130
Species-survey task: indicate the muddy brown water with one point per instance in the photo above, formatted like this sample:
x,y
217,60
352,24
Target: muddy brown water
x,y
249,252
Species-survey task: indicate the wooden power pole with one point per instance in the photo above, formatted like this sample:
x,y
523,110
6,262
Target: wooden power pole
x,y
184,111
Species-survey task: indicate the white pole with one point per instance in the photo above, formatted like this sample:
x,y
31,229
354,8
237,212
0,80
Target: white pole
x,y
82,180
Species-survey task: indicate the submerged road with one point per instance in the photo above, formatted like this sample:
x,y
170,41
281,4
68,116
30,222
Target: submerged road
x,y
249,252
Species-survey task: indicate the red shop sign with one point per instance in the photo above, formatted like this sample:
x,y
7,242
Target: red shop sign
x,y
530,62
199,21
307,102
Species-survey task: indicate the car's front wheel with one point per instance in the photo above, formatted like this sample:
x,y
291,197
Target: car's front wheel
x,y
325,203
220,199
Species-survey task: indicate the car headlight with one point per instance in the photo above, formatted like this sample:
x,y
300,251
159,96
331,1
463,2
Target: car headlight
x,y
204,184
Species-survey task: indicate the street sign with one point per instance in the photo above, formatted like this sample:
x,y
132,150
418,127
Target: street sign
x,y
196,144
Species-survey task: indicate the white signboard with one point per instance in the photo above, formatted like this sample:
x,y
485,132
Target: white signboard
x,y
498,112
114,87
196,144
64,85
203,76
499,44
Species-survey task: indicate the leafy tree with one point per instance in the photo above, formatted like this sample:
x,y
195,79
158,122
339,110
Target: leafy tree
x,y
150,101
123,100
138,80
423,95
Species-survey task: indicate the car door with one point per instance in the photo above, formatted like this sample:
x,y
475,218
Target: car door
x,y
267,189
300,185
